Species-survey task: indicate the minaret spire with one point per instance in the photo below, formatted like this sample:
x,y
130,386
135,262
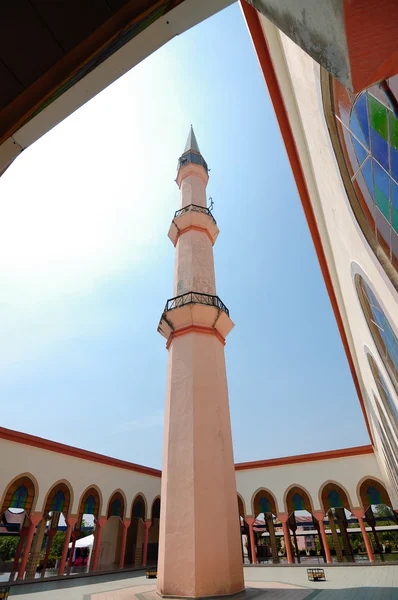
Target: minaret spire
x,y
198,495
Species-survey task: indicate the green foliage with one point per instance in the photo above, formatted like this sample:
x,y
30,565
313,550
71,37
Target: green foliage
x,y
57,545
8,547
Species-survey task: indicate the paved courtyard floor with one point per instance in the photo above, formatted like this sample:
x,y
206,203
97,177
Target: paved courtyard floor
x,y
263,583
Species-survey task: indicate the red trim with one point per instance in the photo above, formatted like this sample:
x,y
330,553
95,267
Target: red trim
x,y
267,67
37,442
193,228
300,458
194,329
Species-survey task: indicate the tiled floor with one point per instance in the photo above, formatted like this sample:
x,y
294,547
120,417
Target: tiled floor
x,y
270,583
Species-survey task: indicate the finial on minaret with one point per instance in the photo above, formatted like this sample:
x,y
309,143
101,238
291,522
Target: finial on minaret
x,y
192,143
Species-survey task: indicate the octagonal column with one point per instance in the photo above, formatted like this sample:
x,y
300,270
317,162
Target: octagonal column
x,y
284,518
319,515
359,513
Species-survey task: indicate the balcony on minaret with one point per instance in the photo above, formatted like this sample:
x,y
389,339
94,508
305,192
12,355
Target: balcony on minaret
x,y
193,216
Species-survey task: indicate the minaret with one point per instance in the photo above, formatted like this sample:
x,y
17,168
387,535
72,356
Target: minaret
x,y
200,550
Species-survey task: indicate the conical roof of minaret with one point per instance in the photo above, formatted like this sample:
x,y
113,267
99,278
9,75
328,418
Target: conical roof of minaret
x,y
192,143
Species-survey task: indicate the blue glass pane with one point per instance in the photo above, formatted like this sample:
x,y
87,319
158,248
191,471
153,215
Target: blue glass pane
x,y
394,162
374,496
359,150
379,149
298,502
264,505
116,508
382,180
362,112
367,175
57,505
89,506
356,128
394,195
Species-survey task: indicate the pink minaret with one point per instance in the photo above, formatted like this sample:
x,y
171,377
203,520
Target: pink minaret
x,y
200,546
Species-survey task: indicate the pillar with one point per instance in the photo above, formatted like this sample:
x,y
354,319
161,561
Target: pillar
x,y
22,536
99,524
250,521
371,521
319,516
359,513
70,523
147,526
125,524
342,521
293,527
75,534
50,534
34,520
271,531
283,518
335,537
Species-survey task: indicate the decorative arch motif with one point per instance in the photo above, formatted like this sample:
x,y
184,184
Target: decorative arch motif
x,y
364,133
241,507
380,328
297,498
333,495
20,494
385,396
372,491
116,505
90,503
155,512
58,499
264,501
138,510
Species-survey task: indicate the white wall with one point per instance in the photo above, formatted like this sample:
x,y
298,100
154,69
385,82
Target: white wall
x,y
346,249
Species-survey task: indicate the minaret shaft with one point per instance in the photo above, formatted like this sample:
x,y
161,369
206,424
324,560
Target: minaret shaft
x,y
200,551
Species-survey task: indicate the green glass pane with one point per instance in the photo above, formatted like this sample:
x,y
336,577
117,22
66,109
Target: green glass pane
x,y
394,219
378,117
382,202
394,131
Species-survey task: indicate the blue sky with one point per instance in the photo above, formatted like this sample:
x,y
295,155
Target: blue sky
x,y
87,266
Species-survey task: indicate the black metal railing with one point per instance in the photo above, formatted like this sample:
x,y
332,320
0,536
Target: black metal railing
x,y
195,208
195,298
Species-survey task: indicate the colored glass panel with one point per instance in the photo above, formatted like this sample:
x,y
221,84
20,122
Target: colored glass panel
x,y
89,506
373,495
359,150
116,508
382,203
298,502
394,162
362,113
378,117
394,195
393,131
19,497
368,176
139,510
356,128
394,219
265,505
58,502
334,499
379,149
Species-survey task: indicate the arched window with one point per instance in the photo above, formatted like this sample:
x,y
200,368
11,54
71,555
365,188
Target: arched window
x,y
334,499
139,510
382,332
298,502
116,508
89,505
58,502
385,396
373,495
19,497
364,134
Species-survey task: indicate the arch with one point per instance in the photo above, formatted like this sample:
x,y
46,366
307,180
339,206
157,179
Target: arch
x,y
155,509
54,501
333,495
21,492
371,490
241,506
297,497
90,502
137,498
264,501
363,156
117,504
381,330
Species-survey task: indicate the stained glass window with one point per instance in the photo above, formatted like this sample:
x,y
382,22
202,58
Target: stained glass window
x,y
265,505
373,495
382,332
89,505
298,502
139,509
116,508
385,396
334,499
368,133
19,497
58,502
389,445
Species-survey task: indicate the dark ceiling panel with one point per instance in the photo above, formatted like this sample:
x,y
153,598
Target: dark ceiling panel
x,y
9,85
27,48
71,21
116,4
